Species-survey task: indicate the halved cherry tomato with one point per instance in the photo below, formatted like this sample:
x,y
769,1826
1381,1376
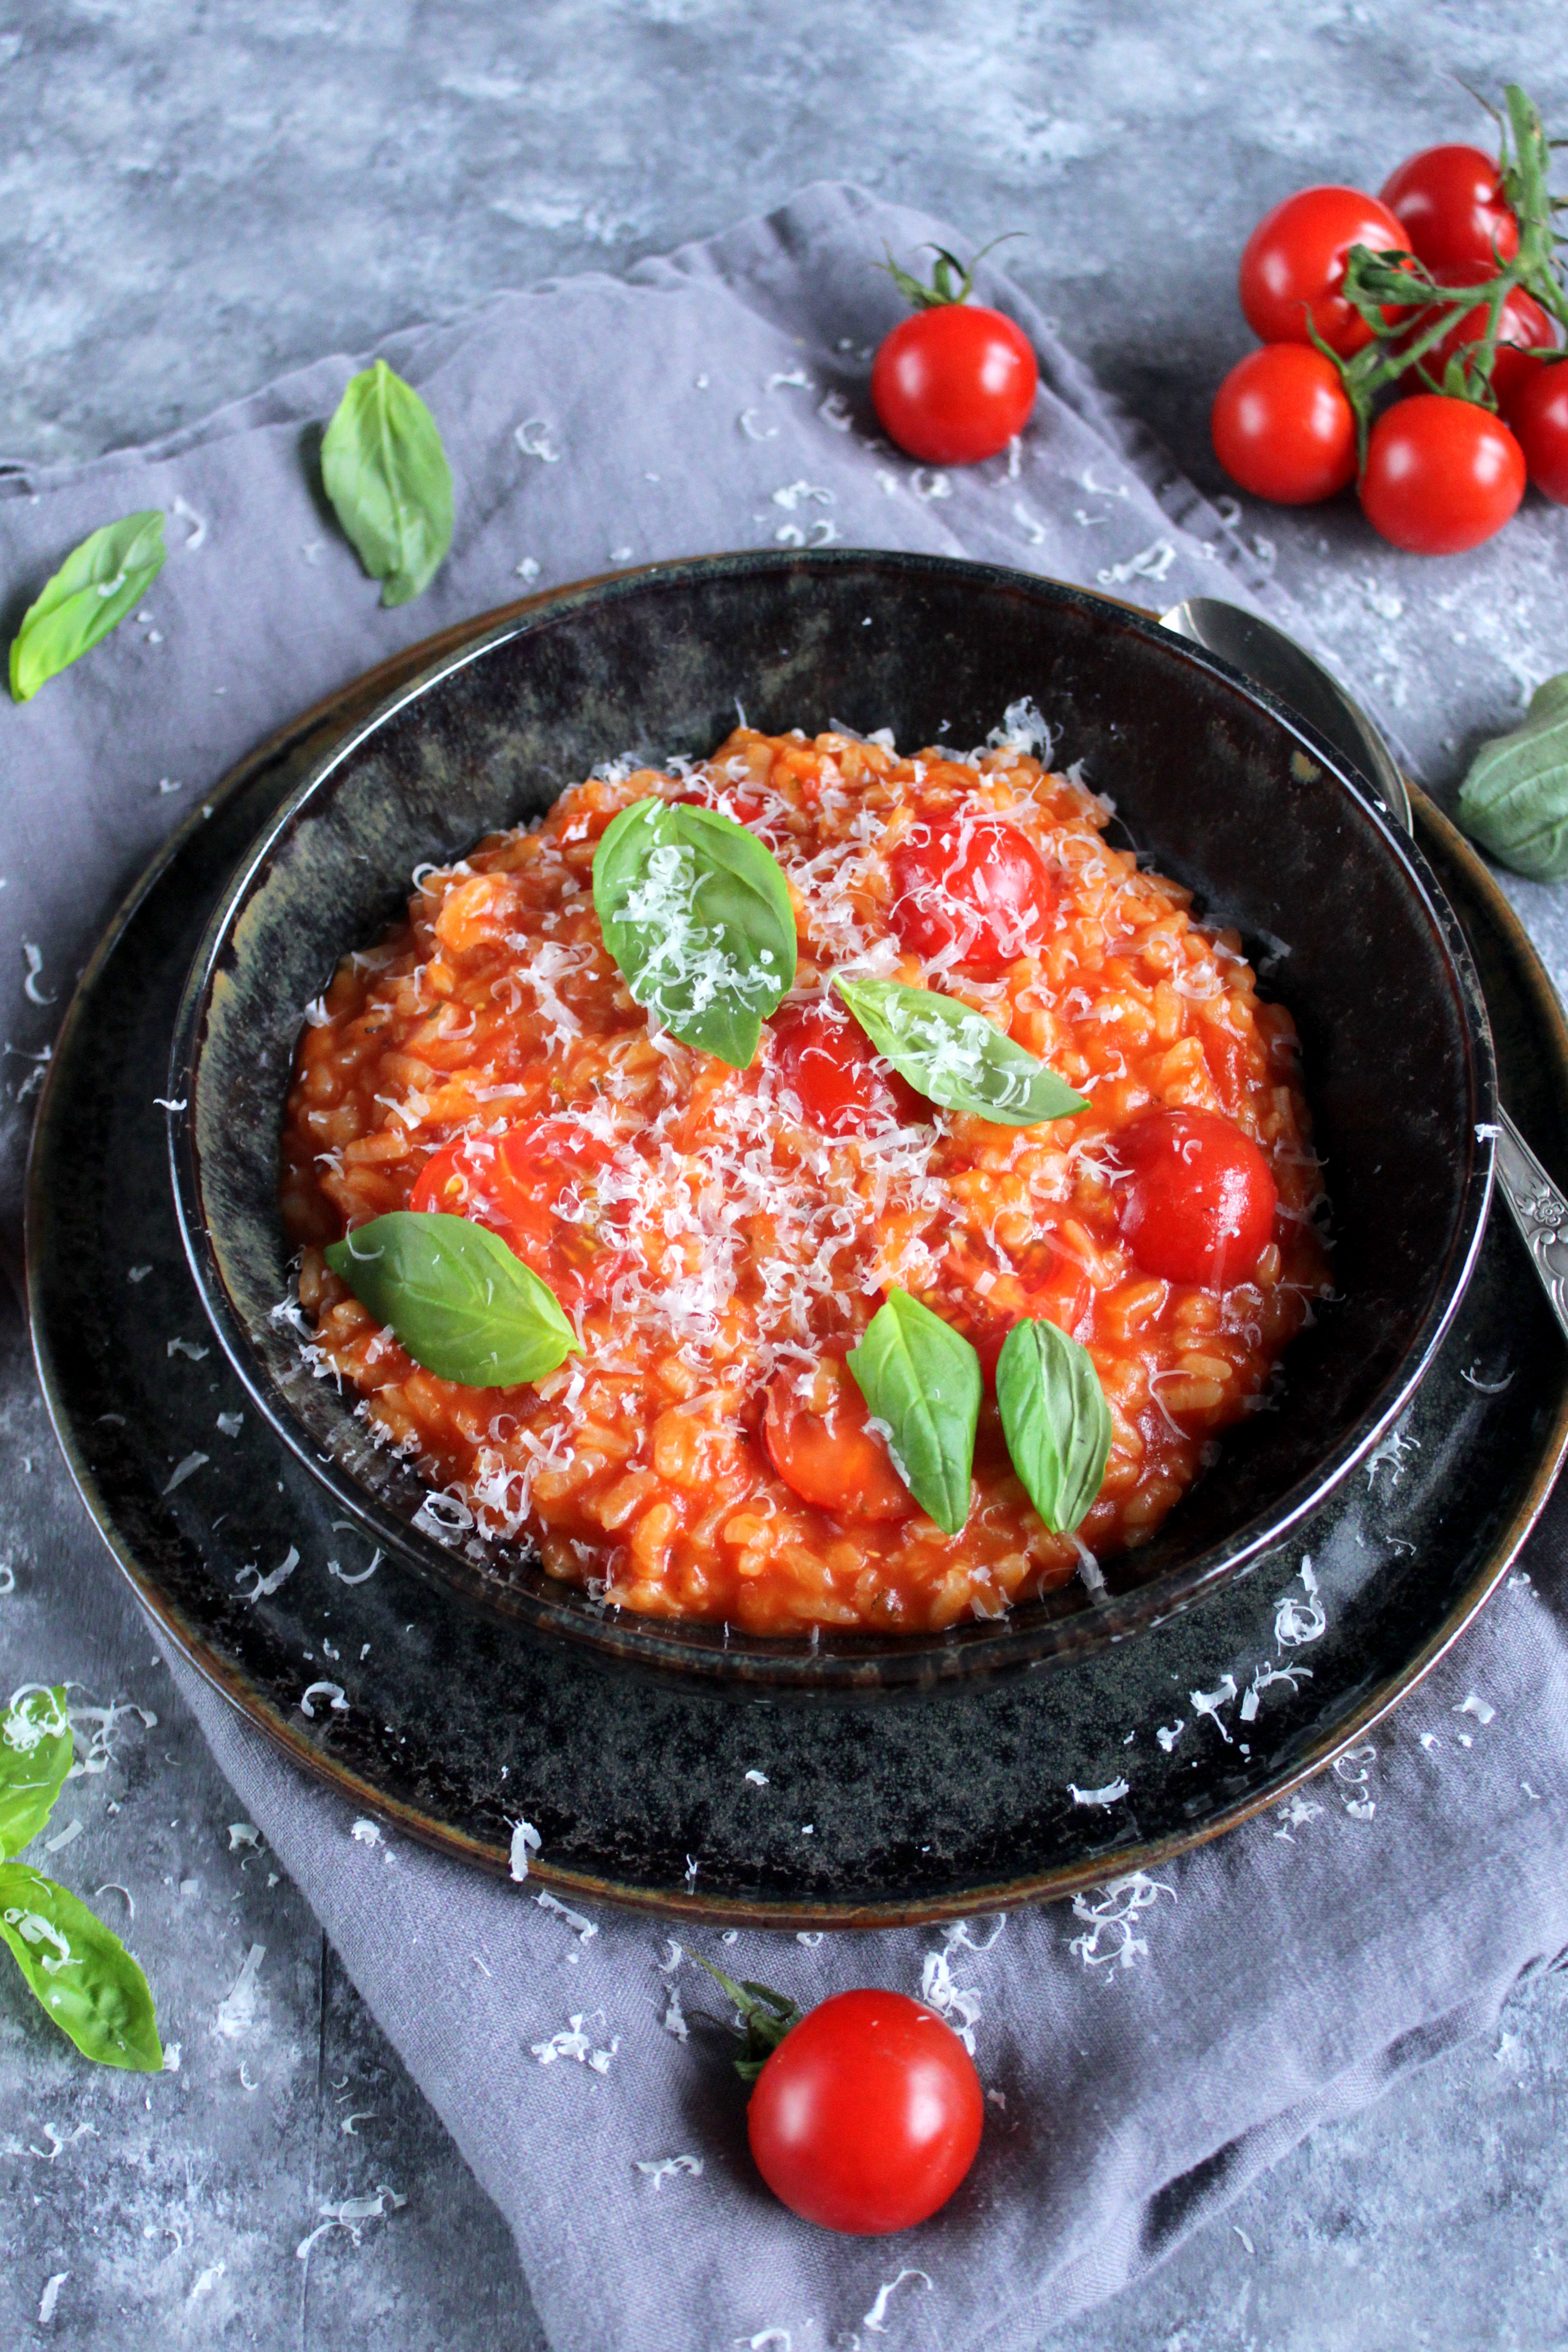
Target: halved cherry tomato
x,y
820,1445
976,882
1538,417
1449,204
867,2115
1293,266
953,385
842,1082
529,1186
1441,475
1200,1206
744,806
1522,327
1282,425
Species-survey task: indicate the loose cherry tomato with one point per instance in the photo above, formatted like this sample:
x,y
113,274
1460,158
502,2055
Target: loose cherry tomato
x,y
1522,327
1441,475
867,2115
1538,417
820,1445
1293,264
1283,427
1199,1205
842,1082
976,882
953,385
529,1186
1449,204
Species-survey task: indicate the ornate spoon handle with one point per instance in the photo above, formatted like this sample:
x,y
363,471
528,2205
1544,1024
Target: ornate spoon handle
x,y
1539,1211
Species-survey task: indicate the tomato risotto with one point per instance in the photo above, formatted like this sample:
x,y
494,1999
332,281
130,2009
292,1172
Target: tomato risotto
x,y
720,1238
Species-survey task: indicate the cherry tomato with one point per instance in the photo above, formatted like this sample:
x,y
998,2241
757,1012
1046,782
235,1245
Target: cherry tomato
x,y
1522,327
1293,263
529,1186
976,882
1199,1205
841,1081
1283,427
1449,204
953,385
1441,475
1056,1290
867,2115
820,1445
1538,417
744,806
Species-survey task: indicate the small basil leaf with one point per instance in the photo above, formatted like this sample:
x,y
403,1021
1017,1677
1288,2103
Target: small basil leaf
x,y
1056,1420
79,1969
1514,801
457,1299
922,1379
35,1753
955,1055
386,475
698,916
95,587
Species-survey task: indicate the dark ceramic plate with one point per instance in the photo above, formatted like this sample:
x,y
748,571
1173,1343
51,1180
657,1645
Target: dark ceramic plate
x,y
1215,782
452,1727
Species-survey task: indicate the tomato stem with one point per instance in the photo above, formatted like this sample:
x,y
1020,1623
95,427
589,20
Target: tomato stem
x,y
941,291
768,2015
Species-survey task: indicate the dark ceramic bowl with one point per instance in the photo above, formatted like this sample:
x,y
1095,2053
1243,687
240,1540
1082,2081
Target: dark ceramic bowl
x,y
1219,786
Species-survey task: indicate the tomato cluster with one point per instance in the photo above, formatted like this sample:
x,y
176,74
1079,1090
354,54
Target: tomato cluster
x,y
1373,364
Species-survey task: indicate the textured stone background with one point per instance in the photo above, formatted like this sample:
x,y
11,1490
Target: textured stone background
x,y
198,192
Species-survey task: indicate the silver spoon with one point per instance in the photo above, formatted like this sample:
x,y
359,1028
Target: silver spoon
x,y
1274,660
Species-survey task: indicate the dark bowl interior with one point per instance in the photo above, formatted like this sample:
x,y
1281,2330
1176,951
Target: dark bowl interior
x,y
1218,785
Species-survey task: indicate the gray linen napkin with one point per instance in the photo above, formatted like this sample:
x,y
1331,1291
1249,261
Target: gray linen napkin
x,y
1151,2047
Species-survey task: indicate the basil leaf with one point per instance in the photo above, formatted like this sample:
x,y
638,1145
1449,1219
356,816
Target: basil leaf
x,y
955,1055
79,1969
1514,801
95,587
457,1299
35,1753
1056,1420
698,916
922,1379
386,475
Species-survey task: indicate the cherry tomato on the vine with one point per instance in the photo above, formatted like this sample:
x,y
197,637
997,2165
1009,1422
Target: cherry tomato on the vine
x,y
867,2115
840,1080
954,383
1293,266
1441,475
975,882
1282,425
1538,418
1200,1206
1450,206
1522,327
819,1444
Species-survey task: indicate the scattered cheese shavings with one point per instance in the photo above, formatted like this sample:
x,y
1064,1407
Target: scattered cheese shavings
x,y
1389,1453
675,2016
364,1575
1263,1678
62,1838
525,1840
50,2296
572,2042
35,962
961,2005
264,1586
194,538
1169,1733
206,2280
172,2054
1209,1703
365,1833
1110,1917
1296,1811
583,1929
230,1424
187,1468
1151,562
758,1779
350,2215
876,2319
1296,1622
236,2009
660,2168
1111,1794
243,1833
1487,1387
330,1691
1479,1707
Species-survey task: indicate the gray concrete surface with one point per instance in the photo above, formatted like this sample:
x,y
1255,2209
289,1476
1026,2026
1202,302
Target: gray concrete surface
x,y
198,192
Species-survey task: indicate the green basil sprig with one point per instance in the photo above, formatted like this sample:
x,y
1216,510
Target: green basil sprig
x,y
1514,801
456,1298
95,587
955,1055
1056,1420
386,475
76,1967
921,1378
697,914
